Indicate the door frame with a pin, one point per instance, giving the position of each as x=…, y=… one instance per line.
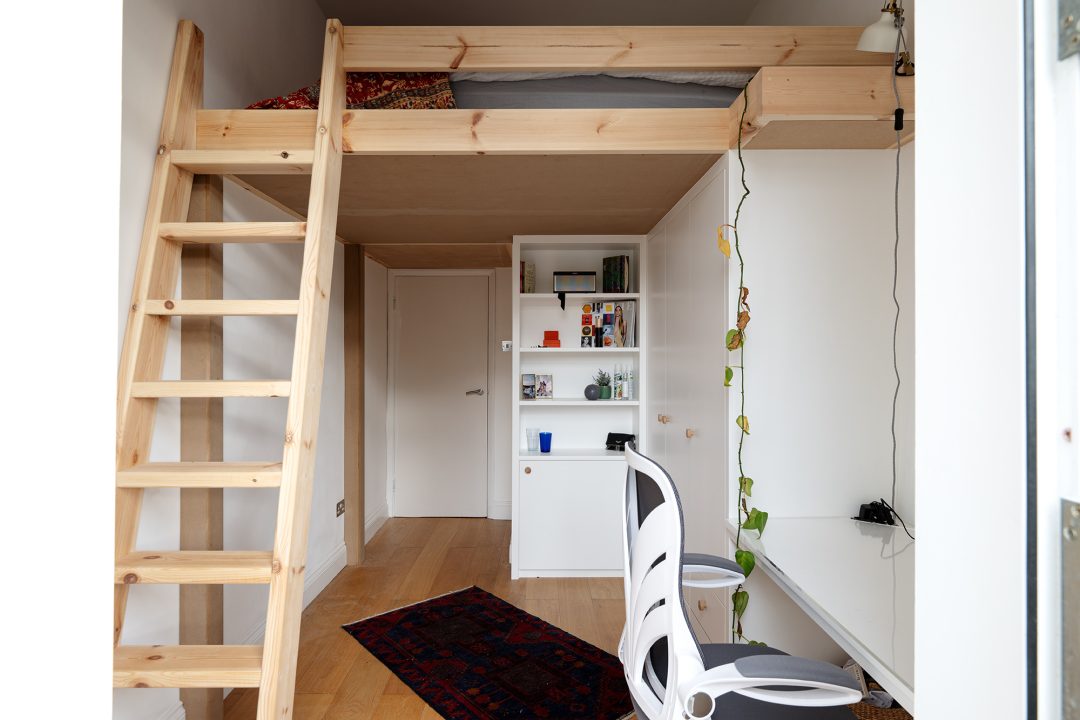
x=391, y=376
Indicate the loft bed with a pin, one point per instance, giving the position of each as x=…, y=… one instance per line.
x=477, y=176
x=416, y=188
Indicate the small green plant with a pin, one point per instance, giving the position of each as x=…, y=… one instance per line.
x=602, y=378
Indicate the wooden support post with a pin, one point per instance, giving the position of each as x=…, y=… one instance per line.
x=354, y=404
x=201, y=436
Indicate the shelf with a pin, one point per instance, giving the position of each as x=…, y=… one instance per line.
x=571, y=454
x=539, y=297
x=574, y=402
x=579, y=350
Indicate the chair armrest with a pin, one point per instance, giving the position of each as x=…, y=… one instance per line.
x=779, y=679
x=722, y=572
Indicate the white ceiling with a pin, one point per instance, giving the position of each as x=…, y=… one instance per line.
x=539, y=12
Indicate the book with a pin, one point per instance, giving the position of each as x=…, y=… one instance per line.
x=527, y=277
x=616, y=274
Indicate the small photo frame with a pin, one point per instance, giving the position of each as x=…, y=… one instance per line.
x=528, y=386
x=545, y=386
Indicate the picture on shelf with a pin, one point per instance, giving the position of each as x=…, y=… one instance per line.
x=545, y=387
x=528, y=386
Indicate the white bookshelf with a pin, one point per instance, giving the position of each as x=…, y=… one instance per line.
x=566, y=503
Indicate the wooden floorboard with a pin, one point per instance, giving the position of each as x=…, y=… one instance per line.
x=408, y=560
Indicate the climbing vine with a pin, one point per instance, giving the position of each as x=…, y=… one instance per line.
x=750, y=518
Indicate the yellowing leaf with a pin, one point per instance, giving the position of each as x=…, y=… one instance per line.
x=728, y=375
x=723, y=242
x=734, y=339
x=743, y=424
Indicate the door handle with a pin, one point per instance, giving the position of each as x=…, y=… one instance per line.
x=477, y=391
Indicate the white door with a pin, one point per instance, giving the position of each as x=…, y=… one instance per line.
x=440, y=427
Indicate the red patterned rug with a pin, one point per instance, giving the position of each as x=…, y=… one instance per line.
x=472, y=656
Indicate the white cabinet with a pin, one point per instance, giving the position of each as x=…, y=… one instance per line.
x=566, y=503
x=688, y=301
x=572, y=524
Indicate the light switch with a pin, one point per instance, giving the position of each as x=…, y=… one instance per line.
x=507, y=345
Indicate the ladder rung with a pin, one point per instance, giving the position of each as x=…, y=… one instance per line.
x=200, y=475
x=187, y=666
x=210, y=388
x=222, y=307
x=195, y=567
x=244, y=162
x=234, y=232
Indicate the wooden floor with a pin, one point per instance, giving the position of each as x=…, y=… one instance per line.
x=408, y=560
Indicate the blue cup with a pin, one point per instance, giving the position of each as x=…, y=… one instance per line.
x=545, y=442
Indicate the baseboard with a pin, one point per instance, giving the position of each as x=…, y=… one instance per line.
x=174, y=712
x=375, y=521
x=314, y=583
x=499, y=509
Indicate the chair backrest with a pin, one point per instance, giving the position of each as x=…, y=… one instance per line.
x=657, y=645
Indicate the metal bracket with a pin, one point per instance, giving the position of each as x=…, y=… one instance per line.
x=1068, y=28
x=1070, y=616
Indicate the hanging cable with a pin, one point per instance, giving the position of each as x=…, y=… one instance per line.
x=898, y=126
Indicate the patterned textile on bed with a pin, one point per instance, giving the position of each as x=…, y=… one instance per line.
x=375, y=91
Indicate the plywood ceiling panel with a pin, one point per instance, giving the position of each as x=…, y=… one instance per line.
x=441, y=255
x=488, y=199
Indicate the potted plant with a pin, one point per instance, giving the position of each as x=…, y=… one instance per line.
x=604, y=381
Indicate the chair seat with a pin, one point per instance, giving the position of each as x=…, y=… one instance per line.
x=733, y=706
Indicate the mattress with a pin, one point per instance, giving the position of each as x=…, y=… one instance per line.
x=590, y=91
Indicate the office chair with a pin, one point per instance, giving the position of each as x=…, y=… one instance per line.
x=670, y=675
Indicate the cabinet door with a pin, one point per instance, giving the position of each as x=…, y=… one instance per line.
x=656, y=350
x=570, y=517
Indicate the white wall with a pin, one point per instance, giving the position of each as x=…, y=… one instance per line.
x=817, y=236
x=1057, y=218
x=253, y=49
x=969, y=330
x=375, y=379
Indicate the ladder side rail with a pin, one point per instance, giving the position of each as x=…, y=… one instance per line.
x=157, y=271
x=298, y=461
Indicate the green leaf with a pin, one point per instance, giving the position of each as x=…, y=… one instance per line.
x=728, y=375
x=746, y=561
x=739, y=599
x=745, y=485
x=755, y=520
x=733, y=339
x=757, y=643
x=743, y=423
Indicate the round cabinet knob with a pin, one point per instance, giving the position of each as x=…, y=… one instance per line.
x=528, y=470
x=663, y=419
x=690, y=433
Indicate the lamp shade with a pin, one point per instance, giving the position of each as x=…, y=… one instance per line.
x=879, y=37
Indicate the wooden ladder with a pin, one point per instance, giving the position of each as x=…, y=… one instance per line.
x=272, y=666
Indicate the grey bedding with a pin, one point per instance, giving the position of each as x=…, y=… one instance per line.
x=597, y=91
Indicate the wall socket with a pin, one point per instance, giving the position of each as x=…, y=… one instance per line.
x=340, y=508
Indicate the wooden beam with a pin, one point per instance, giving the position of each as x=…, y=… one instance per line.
x=523, y=49
x=354, y=404
x=202, y=607
x=143, y=352
x=538, y=132
x=822, y=108
x=302, y=418
x=634, y=131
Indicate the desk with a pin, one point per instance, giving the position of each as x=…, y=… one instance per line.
x=857, y=581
